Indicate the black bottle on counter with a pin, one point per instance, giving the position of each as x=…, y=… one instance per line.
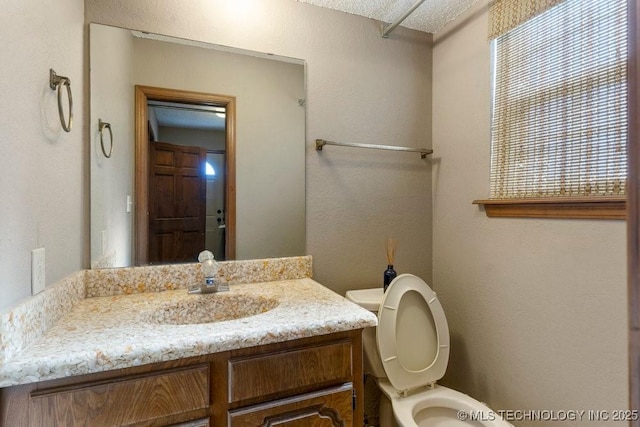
x=389, y=275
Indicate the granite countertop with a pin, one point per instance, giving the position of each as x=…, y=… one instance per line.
x=113, y=332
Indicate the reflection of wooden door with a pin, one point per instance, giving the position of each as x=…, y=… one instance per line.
x=177, y=202
x=142, y=96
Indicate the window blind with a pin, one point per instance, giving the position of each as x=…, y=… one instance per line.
x=559, y=125
x=504, y=15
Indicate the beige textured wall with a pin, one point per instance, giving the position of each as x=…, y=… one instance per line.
x=537, y=308
x=42, y=186
x=360, y=88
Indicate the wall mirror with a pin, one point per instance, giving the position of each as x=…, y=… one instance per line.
x=267, y=127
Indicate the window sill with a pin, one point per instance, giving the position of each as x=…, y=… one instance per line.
x=574, y=208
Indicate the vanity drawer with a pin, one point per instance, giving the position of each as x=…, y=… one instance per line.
x=123, y=401
x=290, y=372
x=326, y=408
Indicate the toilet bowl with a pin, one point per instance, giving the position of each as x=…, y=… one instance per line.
x=408, y=352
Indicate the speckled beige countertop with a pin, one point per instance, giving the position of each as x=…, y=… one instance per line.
x=119, y=331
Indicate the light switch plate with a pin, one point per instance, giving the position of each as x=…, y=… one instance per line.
x=37, y=271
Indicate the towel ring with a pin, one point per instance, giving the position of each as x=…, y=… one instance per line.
x=55, y=82
x=101, y=126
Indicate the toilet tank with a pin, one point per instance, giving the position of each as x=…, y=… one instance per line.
x=369, y=299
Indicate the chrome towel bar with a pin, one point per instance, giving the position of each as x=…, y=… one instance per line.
x=423, y=151
x=56, y=82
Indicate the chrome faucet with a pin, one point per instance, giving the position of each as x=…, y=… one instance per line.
x=210, y=271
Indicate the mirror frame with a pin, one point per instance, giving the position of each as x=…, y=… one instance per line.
x=142, y=95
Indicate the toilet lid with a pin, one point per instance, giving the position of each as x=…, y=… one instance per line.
x=412, y=334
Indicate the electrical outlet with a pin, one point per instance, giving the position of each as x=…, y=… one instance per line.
x=37, y=271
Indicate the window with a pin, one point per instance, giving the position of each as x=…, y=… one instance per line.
x=559, y=119
x=209, y=170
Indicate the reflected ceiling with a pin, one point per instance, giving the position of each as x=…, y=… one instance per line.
x=188, y=116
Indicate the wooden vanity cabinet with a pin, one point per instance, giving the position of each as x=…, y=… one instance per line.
x=329, y=407
x=313, y=381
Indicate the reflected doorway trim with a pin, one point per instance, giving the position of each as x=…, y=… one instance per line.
x=142, y=95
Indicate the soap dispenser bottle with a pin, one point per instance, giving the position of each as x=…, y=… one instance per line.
x=209, y=270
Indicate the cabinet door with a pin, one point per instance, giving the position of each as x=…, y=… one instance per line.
x=276, y=375
x=326, y=408
x=204, y=422
x=124, y=401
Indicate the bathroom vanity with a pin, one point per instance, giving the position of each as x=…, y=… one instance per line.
x=313, y=380
x=265, y=353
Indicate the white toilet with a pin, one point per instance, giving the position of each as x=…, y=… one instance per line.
x=408, y=352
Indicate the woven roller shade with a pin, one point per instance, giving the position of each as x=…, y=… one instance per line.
x=559, y=125
x=505, y=15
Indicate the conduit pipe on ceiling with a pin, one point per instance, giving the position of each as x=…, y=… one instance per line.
x=386, y=30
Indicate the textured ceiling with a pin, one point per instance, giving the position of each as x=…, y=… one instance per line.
x=431, y=16
x=191, y=118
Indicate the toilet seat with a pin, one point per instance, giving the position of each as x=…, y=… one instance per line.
x=412, y=335
x=440, y=406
